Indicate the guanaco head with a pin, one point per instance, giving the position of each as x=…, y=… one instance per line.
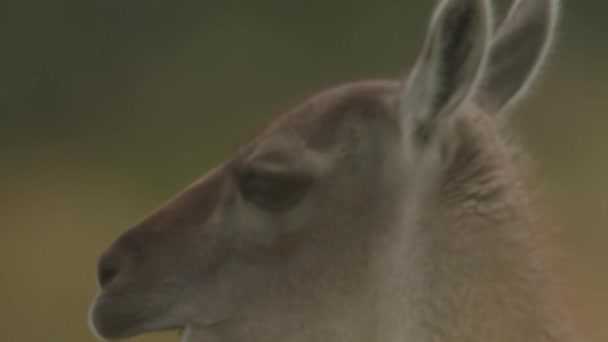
x=291, y=219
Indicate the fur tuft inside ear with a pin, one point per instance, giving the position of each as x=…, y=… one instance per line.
x=450, y=64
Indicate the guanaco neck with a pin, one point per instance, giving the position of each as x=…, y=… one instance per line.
x=482, y=273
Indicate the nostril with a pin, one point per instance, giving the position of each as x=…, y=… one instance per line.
x=105, y=276
x=108, y=268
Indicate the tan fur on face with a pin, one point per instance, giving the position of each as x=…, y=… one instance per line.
x=400, y=215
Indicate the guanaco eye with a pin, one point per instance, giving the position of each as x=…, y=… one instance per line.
x=273, y=191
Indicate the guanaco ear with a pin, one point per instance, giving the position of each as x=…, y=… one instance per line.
x=518, y=50
x=450, y=64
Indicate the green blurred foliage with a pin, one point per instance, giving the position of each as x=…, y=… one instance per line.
x=108, y=107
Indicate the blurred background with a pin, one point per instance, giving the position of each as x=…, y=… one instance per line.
x=109, y=107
